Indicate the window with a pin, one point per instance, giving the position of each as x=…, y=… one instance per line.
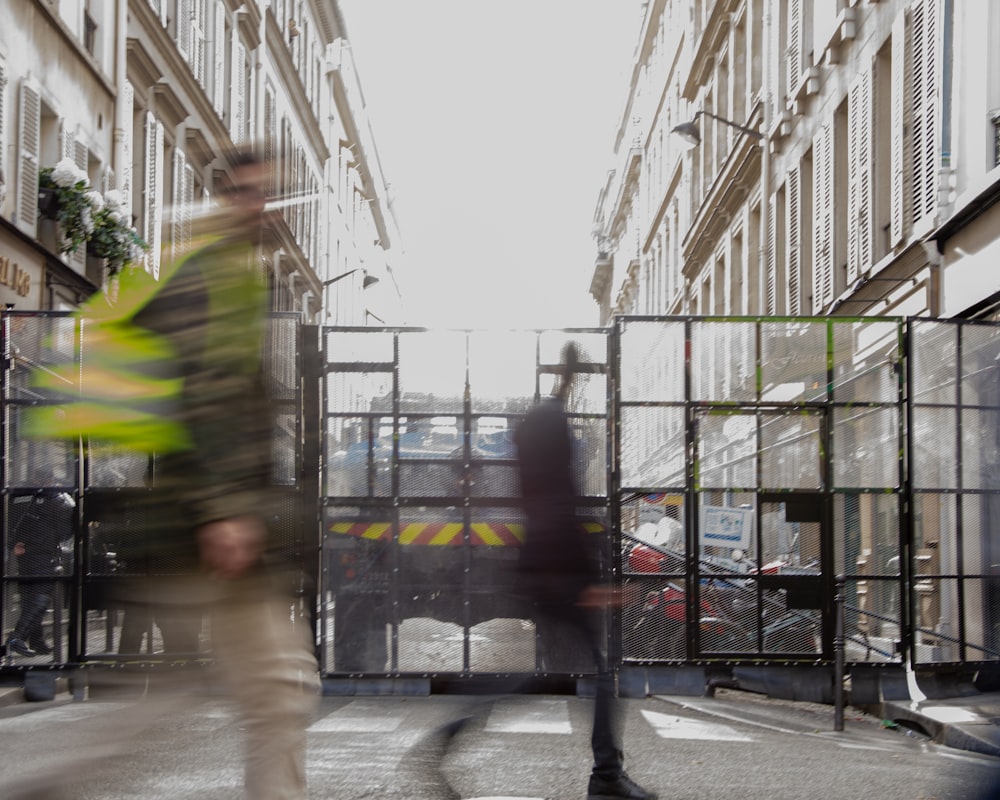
x=89, y=32
x=29, y=143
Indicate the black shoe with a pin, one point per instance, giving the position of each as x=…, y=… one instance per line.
x=619, y=788
x=41, y=648
x=19, y=646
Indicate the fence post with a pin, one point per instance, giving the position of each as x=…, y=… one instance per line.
x=838, y=655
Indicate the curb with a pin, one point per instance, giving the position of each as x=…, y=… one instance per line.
x=948, y=724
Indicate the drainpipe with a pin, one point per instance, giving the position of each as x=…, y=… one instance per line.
x=259, y=68
x=121, y=77
x=765, y=164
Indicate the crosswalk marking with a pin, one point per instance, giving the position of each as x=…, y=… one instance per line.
x=358, y=717
x=669, y=726
x=534, y=716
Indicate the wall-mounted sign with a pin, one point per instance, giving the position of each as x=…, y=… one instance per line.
x=14, y=277
x=726, y=527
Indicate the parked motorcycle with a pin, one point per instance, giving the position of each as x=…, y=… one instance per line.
x=729, y=618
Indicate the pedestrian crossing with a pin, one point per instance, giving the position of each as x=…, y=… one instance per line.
x=519, y=716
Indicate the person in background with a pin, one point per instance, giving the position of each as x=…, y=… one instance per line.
x=40, y=523
x=560, y=572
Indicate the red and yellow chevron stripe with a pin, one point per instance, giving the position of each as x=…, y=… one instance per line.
x=489, y=534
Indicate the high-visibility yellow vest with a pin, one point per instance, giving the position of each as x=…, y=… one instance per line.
x=120, y=391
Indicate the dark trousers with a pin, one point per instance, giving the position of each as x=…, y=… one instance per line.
x=569, y=633
x=35, y=601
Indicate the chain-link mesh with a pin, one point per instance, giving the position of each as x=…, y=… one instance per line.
x=421, y=579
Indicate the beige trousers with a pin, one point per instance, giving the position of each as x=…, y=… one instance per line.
x=268, y=664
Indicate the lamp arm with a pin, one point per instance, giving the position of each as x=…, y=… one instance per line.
x=723, y=120
x=340, y=277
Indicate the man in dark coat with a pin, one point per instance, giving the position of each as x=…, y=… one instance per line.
x=40, y=523
x=560, y=570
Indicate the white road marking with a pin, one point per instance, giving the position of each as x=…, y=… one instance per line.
x=668, y=726
x=357, y=717
x=533, y=716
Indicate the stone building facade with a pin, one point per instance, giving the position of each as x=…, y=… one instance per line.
x=145, y=97
x=847, y=162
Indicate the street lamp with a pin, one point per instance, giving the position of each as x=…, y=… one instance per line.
x=370, y=280
x=690, y=133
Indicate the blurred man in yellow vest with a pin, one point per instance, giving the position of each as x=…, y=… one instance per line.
x=202, y=407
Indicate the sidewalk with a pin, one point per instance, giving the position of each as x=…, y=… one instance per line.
x=966, y=723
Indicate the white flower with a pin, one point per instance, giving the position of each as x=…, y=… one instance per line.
x=95, y=200
x=114, y=199
x=67, y=174
x=120, y=218
x=87, y=220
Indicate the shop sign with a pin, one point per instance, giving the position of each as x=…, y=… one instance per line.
x=13, y=277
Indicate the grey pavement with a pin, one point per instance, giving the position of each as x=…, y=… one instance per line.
x=528, y=748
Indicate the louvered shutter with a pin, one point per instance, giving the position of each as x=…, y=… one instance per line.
x=4, y=174
x=199, y=25
x=822, y=219
x=793, y=226
x=153, y=192
x=270, y=133
x=774, y=95
x=794, y=53
x=107, y=180
x=239, y=88
x=219, y=57
x=924, y=76
x=81, y=156
x=66, y=141
x=897, y=222
x=127, y=100
x=29, y=123
x=184, y=29
x=771, y=258
x=183, y=199
x=859, y=195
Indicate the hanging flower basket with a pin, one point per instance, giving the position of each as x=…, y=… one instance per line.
x=48, y=202
x=86, y=218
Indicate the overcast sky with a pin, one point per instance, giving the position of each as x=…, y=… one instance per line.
x=494, y=123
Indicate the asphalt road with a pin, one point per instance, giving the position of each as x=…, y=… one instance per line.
x=733, y=746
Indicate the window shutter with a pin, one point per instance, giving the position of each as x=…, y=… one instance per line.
x=924, y=76
x=183, y=200
x=239, y=87
x=773, y=71
x=270, y=133
x=199, y=24
x=219, y=56
x=4, y=174
x=153, y=195
x=822, y=219
x=793, y=223
x=897, y=221
x=771, y=263
x=107, y=180
x=125, y=168
x=794, y=52
x=184, y=29
x=81, y=156
x=29, y=123
x=859, y=195
x=66, y=142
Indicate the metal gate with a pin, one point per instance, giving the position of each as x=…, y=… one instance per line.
x=743, y=467
x=748, y=453
x=421, y=514
x=82, y=506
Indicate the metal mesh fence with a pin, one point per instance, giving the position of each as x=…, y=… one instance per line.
x=77, y=522
x=422, y=525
